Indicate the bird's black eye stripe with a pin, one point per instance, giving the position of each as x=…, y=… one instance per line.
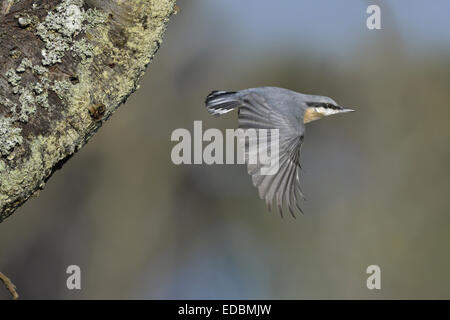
x=323, y=105
x=332, y=106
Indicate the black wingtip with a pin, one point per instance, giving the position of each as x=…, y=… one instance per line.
x=217, y=93
x=220, y=102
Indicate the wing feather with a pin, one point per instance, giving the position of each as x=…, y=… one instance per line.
x=282, y=188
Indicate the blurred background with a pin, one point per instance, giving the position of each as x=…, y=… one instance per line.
x=377, y=181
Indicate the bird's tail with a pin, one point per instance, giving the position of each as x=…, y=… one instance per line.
x=220, y=102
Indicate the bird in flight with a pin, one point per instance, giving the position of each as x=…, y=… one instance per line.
x=288, y=112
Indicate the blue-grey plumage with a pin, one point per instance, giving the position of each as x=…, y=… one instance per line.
x=285, y=110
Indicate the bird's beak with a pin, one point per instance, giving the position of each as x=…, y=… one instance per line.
x=344, y=110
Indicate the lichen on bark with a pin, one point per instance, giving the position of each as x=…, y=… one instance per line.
x=57, y=59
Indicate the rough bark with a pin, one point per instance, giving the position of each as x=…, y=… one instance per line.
x=65, y=66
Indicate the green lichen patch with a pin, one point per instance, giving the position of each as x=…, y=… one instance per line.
x=30, y=96
x=42, y=100
x=61, y=26
x=76, y=57
x=9, y=136
x=13, y=78
x=82, y=49
x=62, y=31
x=62, y=88
x=38, y=88
x=39, y=70
x=24, y=64
x=27, y=105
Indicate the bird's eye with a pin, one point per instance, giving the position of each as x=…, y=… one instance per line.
x=331, y=106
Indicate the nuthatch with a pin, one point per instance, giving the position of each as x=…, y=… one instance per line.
x=285, y=110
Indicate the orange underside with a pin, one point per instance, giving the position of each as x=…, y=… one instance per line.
x=311, y=114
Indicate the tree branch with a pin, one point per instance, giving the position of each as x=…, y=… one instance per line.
x=65, y=66
x=9, y=286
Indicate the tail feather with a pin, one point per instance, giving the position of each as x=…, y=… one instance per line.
x=220, y=102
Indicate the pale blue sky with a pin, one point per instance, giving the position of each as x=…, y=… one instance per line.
x=331, y=25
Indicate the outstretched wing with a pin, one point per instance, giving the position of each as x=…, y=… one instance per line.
x=282, y=185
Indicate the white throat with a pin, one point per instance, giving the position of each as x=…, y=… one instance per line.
x=326, y=111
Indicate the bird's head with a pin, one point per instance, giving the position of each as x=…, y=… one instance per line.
x=319, y=107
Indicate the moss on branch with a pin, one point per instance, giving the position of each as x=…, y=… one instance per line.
x=58, y=58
